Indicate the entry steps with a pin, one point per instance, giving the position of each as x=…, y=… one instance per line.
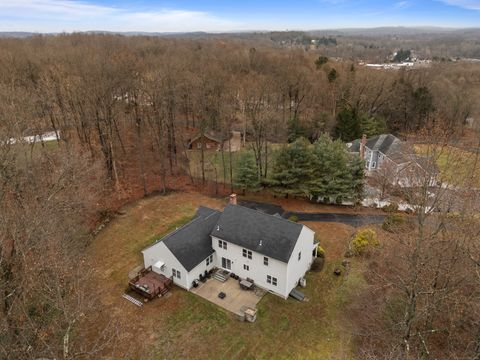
x=132, y=300
x=221, y=275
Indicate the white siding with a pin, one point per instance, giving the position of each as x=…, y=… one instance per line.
x=198, y=270
x=258, y=271
x=160, y=252
x=296, y=268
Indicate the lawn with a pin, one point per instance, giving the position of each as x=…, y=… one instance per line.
x=187, y=326
x=457, y=167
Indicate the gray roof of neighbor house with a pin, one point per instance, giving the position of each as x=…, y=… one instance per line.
x=269, y=235
x=191, y=244
x=387, y=144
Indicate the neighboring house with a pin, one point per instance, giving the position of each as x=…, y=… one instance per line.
x=213, y=140
x=388, y=154
x=272, y=251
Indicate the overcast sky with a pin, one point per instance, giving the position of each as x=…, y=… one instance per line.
x=231, y=15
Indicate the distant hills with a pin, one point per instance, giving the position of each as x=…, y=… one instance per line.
x=369, y=32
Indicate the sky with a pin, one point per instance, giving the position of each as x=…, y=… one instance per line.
x=231, y=15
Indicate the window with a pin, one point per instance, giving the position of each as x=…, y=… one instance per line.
x=222, y=244
x=265, y=261
x=374, y=165
x=210, y=260
x=271, y=280
x=299, y=255
x=176, y=273
x=246, y=267
x=247, y=253
x=199, y=145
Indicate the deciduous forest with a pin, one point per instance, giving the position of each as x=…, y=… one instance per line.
x=123, y=110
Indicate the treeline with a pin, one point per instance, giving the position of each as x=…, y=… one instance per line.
x=131, y=100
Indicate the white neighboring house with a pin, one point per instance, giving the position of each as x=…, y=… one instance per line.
x=388, y=153
x=274, y=252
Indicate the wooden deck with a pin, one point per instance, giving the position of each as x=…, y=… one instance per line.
x=150, y=284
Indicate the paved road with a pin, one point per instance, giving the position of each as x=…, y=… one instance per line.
x=349, y=219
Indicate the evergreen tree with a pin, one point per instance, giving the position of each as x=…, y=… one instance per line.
x=293, y=168
x=357, y=168
x=373, y=125
x=348, y=126
x=336, y=175
x=246, y=177
x=331, y=179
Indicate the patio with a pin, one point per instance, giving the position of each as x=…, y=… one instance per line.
x=235, y=299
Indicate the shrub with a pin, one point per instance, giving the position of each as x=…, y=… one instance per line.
x=394, y=221
x=363, y=241
x=293, y=218
x=390, y=208
x=320, y=251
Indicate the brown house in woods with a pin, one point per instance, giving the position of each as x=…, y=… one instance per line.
x=213, y=140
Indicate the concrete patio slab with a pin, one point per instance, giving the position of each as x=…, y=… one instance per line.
x=236, y=298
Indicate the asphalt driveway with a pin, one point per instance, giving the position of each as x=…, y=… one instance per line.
x=348, y=219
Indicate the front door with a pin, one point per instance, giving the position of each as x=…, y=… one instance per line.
x=226, y=263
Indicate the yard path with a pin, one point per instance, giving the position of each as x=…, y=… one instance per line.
x=354, y=220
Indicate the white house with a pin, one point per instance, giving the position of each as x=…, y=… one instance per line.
x=274, y=252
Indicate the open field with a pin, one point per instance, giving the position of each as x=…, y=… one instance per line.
x=184, y=325
x=457, y=167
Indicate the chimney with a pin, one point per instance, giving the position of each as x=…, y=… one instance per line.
x=363, y=142
x=233, y=199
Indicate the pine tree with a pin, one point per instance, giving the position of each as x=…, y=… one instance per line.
x=357, y=168
x=373, y=125
x=336, y=176
x=293, y=168
x=246, y=177
x=348, y=126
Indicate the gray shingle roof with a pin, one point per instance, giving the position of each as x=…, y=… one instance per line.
x=269, y=235
x=191, y=244
x=386, y=143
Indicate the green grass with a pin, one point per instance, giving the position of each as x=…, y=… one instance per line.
x=285, y=329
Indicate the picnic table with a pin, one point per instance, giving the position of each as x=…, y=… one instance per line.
x=246, y=285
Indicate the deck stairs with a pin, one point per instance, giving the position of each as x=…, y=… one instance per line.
x=221, y=275
x=163, y=291
x=132, y=300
